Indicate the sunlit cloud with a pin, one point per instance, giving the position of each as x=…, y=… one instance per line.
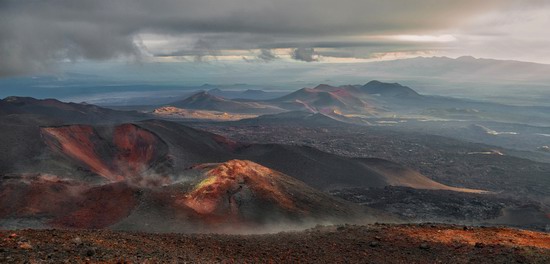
x=425, y=38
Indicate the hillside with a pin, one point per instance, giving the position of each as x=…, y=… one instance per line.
x=234, y=194
x=206, y=101
x=60, y=112
x=163, y=148
x=388, y=89
x=324, y=101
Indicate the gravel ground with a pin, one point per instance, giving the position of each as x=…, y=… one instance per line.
x=378, y=243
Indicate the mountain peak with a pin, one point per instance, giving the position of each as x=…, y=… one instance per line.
x=24, y=99
x=373, y=82
x=323, y=86
x=239, y=189
x=466, y=58
x=215, y=90
x=235, y=177
x=235, y=168
x=11, y=99
x=202, y=94
x=206, y=101
x=388, y=89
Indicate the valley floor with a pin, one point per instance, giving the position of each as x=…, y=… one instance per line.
x=378, y=243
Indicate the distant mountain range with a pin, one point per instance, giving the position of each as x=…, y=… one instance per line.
x=348, y=99
x=354, y=103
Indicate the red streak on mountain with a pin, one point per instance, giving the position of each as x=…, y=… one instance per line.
x=131, y=153
x=79, y=142
x=136, y=148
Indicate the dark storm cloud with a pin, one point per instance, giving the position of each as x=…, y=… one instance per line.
x=304, y=54
x=34, y=34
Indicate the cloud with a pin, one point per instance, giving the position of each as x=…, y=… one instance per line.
x=304, y=54
x=203, y=48
x=267, y=55
x=34, y=35
x=32, y=40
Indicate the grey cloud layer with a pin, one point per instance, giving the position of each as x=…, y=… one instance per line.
x=34, y=34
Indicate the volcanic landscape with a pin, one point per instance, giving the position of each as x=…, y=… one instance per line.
x=274, y=131
x=323, y=174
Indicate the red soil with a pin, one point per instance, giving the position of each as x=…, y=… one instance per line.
x=490, y=236
x=42, y=196
x=100, y=207
x=66, y=203
x=330, y=244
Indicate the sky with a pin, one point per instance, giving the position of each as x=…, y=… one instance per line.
x=42, y=36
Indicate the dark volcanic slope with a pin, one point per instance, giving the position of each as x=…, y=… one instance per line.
x=21, y=146
x=140, y=149
x=59, y=112
x=343, y=244
x=343, y=99
x=189, y=146
x=164, y=148
x=31, y=144
x=448, y=161
x=414, y=205
x=327, y=171
x=399, y=175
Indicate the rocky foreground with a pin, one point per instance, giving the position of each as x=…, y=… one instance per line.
x=377, y=243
